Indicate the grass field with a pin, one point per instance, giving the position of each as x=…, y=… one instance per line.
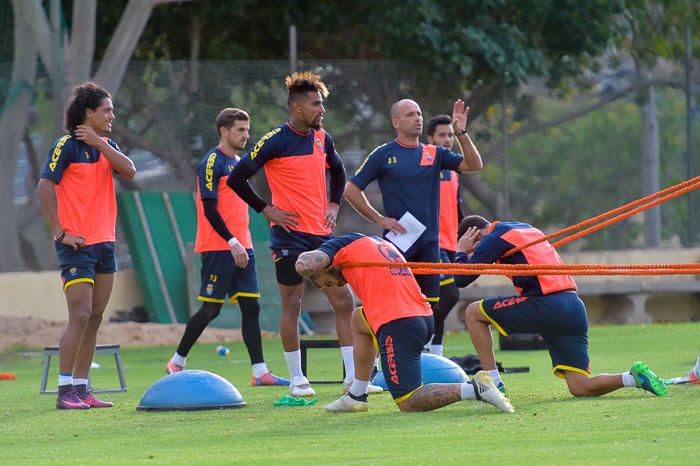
x=549, y=427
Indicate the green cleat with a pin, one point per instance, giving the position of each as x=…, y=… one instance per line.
x=647, y=380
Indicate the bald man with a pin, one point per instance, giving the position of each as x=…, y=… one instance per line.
x=408, y=174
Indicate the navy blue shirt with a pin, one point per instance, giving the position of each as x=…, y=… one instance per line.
x=409, y=180
x=502, y=237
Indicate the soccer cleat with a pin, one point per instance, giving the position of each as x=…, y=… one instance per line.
x=346, y=404
x=268, y=379
x=300, y=386
x=70, y=400
x=171, y=368
x=486, y=391
x=371, y=389
x=89, y=399
x=647, y=380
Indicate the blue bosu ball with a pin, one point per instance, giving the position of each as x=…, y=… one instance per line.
x=190, y=391
x=435, y=369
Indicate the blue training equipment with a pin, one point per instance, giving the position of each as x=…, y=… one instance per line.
x=435, y=369
x=191, y=391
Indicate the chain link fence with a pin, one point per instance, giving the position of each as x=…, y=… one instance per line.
x=554, y=177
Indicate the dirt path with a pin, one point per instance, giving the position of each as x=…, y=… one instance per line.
x=26, y=331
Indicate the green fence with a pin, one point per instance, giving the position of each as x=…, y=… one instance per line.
x=160, y=230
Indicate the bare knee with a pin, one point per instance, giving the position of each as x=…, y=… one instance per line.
x=95, y=319
x=341, y=299
x=472, y=313
x=79, y=316
x=406, y=406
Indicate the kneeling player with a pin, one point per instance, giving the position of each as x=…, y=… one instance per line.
x=395, y=318
x=547, y=304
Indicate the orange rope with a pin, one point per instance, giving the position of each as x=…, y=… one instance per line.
x=428, y=268
x=516, y=267
x=682, y=188
x=531, y=272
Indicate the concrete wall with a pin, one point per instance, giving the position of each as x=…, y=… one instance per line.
x=40, y=295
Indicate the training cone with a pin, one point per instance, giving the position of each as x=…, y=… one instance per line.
x=435, y=369
x=191, y=391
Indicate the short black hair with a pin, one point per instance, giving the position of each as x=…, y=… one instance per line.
x=300, y=83
x=438, y=120
x=471, y=221
x=88, y=95
x=228, y=116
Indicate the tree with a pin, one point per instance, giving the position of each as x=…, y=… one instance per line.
x=69, y=63
x=656, y=32
x=482, y=49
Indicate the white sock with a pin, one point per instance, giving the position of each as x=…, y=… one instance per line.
x=376, y=363
x=359, y=387
x=65, y=379
x=260, y=369
x=293, y=359
x=696, y=370
x=349, y=362
x=80, y=381
x=436, y=349
x=628, y=380
x=495, y=376
x=179, y=360
x=466, y=391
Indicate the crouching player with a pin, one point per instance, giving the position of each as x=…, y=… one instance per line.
x=547, y=304
x=395, y=319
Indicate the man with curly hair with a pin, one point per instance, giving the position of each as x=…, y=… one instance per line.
x=77, y=196
x=295, y=157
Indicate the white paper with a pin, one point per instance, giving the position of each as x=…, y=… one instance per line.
x=413, y=231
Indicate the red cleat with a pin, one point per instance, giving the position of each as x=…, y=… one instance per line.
x=171, y=368
x=90, y=400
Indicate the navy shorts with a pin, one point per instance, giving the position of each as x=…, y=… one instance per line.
x=221, y=277
x=559, y=317
x=286, y=248
x=447, y=257
x=426, y=251
x=80, y=266
x=401, y=343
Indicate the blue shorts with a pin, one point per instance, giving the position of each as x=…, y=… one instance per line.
x=559, y=317
x=400, y=346
x=286, y=247
x=426, y=251
x=221, y=277
x=80, y=266
x=447, y=257
x=293, y=243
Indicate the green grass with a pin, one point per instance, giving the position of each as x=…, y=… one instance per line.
x=549, y=427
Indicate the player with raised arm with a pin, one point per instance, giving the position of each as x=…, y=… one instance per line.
x=408, y=174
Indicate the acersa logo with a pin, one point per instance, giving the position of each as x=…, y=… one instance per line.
x=390, y=361
x=509, y=302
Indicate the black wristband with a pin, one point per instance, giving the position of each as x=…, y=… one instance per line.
x=462, y=133
x=60, y=237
